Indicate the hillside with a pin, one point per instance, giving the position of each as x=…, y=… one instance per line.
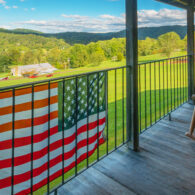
x=85, y=38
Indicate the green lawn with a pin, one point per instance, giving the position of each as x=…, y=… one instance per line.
x=61, y=73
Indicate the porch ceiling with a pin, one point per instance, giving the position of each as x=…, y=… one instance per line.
x=180, y=3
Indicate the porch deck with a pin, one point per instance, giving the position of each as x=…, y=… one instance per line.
x=164, y=165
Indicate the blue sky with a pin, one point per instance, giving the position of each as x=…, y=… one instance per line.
x=83, y=15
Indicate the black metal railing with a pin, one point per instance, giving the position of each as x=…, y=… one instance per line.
x=41, y=121
x=82, y=119
x=163, y=87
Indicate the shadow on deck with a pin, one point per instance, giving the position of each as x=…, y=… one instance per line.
x=164, y=165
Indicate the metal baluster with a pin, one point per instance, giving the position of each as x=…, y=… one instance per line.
x=145, y=98
x=187, y=80
x=98, y=103
x=115, y=109
x=63, y=129
x=171, y=84
x=88, y=94
x=13, y=139
x=183, y=70
x=140, y=105
x=76, y=118
x=159, y=94
x=174, y=81
x=163, y=88
x=177, y=81
x=167, y=62
x=150, y=94
x=123, y=105
x=181, y=60
x=155, y=88
x=48, y=143
x=32, y=137
x=107, y=115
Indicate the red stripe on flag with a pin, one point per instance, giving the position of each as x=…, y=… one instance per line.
x=59, y=173
x=41, y=153
x=36, y=172
x=24, y=141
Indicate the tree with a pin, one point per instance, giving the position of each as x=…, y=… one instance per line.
x=120, y=57
x=78, y=56
x=96, y=53
x=5, y=61
x=169, y=42
x=147, y=46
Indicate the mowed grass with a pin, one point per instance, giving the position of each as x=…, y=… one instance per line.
x=89, y=68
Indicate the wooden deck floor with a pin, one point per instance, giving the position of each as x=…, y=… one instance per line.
x=164, y=165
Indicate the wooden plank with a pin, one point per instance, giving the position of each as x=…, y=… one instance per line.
x=94, y=182
x=171, y=156
x=80, y=185
x=165, y=164
x=137, y=173
x=169, y=136
x=106, y=183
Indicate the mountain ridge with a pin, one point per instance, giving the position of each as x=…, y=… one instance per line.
x=85, y=38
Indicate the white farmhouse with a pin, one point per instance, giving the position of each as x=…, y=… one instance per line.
x=35, y=69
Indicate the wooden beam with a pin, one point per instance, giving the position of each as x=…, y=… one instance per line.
x=176, y=3
x=190, y=46
x=132, y=72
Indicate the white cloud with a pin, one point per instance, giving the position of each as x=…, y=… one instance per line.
x=75, y=17
x=22, y=0
x=7, y=7
x=33, y=9
x=5, y=27
x=161, y=17
x=2, y=2
x=106, y=23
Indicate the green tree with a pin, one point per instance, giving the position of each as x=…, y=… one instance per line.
x=5, y=61
x=169, y=42
x=78, y=56
x=120, y=57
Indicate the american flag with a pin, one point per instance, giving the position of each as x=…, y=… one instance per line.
x=78, y=103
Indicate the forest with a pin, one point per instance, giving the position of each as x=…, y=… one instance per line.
x=24, y=49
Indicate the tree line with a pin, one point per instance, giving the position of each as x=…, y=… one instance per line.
x=16, y=49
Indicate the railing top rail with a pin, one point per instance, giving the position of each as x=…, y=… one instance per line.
x=152, y=61
x=57, y=79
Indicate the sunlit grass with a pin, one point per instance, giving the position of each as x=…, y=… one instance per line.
x=89, y=68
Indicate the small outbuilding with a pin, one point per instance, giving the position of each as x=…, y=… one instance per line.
x=30, y=70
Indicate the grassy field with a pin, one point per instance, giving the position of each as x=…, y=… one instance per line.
x=61, y=73
x=161, y=89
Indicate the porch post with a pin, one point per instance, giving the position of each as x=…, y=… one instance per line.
x=132, y=73
x=190, y=46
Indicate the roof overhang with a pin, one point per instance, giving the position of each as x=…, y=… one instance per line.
x=180, y=3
